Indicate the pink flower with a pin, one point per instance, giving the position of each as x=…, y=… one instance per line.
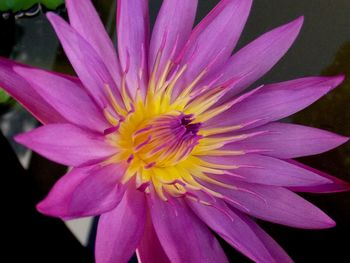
x=163, y=142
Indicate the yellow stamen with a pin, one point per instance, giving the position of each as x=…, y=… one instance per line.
x=214, y=131
x=110, y=118
x=114, y=102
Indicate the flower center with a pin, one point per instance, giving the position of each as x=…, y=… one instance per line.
x=159, y=137
x=165, y=140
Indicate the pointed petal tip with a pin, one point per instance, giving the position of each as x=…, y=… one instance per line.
x=338, y=79
x=343, y=139
x=296, y=24
x=44, y=207
x=346, y=187
x=40, y=207
x=24, y=138
x=344, y=184
x=54, y=19
x=300, y=20
x=333, y=82
x=336, y=187
x=329, y=223
x=292, y=28
x=338, y=140
x=50, y=15
x=323, y=222
x=21, y=138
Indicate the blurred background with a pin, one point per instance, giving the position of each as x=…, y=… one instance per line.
x=323, y=48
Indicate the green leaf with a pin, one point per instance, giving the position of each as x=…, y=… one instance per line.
x=17, y=5
x=4, y=97
x=52, y=4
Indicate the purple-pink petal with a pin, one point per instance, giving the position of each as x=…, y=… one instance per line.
x=67, y=96
x=120, y=230
x=275, y=204
x=171, y=30
x=254, y=168
x=67, y=144
x=275, y=250
x=254, y=60
x=335, y=185
x=184, y=237
x=86, y=191
x=25, y=94
x=276, y=101
x=149, y=249
x=285, y=140
x=88, y=65
x=233, y=229
x=133, y=42
x=214, y=38
x=85, y=20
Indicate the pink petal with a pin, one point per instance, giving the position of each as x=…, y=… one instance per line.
x=149, y=249
x=276, y=101
x=133, y=41
x=86, y=62
x=85, y=20
x=275, y=204
x=214, y=38
x=275, y=250
x=266, y=170
x=233, y=229
x=336, y=185
x=171, y=30
x=183, y=236
x=284, y=140
x=258, y=57
x=67, y=144
x=86, y=191
x=24, y=93
x=120, y=230
x=67, y=97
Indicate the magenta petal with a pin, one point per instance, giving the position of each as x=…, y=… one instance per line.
x=25, y=94
x=67, y=144
x=276, y=101
x=149, y=249
x=133, y=41
x=214, y=38
x=120, y=230
x=183, y=236
x=85, y=20
x=171, y=30
x=284, y=140
x=86, y=191
x=85, y=61
x=336, y=185
x=233, y=229
x=275, y=250
x=258, y=57
x=67, y=96
x=275, y=204
x=266, y=170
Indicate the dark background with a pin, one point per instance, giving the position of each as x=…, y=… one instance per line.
x=323, y=48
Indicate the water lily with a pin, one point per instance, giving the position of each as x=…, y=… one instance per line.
x=165, y=142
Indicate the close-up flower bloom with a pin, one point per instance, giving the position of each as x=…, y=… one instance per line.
x=166, y=143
